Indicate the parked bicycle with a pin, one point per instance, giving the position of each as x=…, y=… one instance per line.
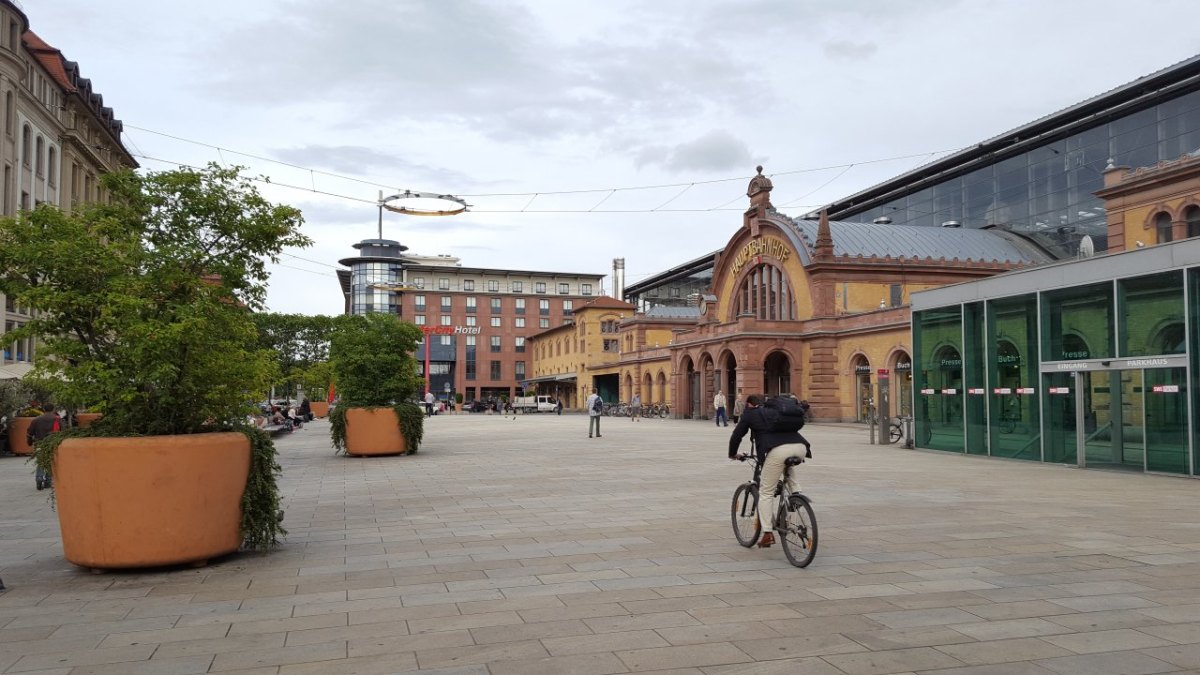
x=795, y=522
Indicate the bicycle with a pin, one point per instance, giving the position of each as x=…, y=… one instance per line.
x=795, y=521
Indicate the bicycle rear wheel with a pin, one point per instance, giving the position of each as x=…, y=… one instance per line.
x=745, y=515
x=797, y=526
x=895, y=433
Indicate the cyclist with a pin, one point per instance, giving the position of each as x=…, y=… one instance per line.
x=774, y=448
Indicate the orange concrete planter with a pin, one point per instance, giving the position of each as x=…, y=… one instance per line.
x=373, y=431
x=85, y=420
x=16, y=436
x=319, y=408
x=150, y=501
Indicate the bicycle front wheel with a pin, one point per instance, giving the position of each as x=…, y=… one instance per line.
x=745, y=515
x=798, y=531
x=896, y=433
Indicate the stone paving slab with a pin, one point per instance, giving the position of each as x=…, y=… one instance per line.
x=522, y=546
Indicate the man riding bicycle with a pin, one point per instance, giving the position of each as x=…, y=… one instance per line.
x=773, y=448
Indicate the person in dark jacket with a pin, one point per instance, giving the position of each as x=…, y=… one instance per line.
x=306, y=410
x=773, y=448
x=42, y=426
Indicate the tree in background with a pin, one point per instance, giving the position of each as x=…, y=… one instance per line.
x=298, y=342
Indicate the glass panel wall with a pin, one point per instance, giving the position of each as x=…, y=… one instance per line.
x=1013, y=365
x=1077, y=323
x=1151, y=313
x=937, y=345
x=1166, y=395
x=1048, y=191
x=975, y=374
x=1193, y=326
x=1058, y=404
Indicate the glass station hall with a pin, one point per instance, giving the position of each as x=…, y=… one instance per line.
x=1090, y=362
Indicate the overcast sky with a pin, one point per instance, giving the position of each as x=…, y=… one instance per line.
x=506, y=103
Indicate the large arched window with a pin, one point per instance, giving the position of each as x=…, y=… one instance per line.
x=52, y=165
x=766, y=293
x=39, y=158
x=1191, y=215
x=26, y=150
x=1162, y=226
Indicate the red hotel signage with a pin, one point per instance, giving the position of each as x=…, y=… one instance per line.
x=451, y=330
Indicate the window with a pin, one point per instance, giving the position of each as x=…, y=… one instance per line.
x=469, y=285
x=493, y=286
x=419, y=303
x=1162, y=226
x=495, y=343
x=567, y=306
x=675, y=292
x=9, y=113
x=446, y=303
x=539, y=287
x=470, y=321
x=520, y=305
x=1192, y=216
x=446, y=341
x=39, y=167
x=443, y=284
x=496, y=374
x=519, y=322
x=609, y=326
x=897, y=295
x=564, y=289
x=520, y=370
x=518, y=287
x=612, y=345
x=419, y=282
x=470, y=369
x=544, y=307
x=495, y=322
x=470, y=304
x=543, y=323
x=520, y=344
x=585, y=289
x=495, y=305
x=419, y=319
x=765, y=293
x=26, y=147
x=52, y=166
x=444, y=319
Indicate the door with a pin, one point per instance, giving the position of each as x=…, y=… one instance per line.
x=1136, y=420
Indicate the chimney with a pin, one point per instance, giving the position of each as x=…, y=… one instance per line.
x=618, y=283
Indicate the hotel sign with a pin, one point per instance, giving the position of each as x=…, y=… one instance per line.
x=756, y=248
x=450, y=330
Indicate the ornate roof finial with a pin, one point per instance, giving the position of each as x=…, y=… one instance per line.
x=759, y=185
x=823, y=247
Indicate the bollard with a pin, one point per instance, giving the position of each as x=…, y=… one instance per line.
x=908, y=432
x=871, y=420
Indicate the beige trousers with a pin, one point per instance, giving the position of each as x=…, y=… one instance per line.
x=769, y=479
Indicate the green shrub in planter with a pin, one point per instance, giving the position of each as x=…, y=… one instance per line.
x=144, y=310
x=374, y=366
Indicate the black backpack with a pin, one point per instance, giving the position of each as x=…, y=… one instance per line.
x=783, y=413
x=598, y=405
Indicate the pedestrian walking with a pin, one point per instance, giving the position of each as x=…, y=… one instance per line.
x=429, y=404
x=719, y=406
x=595, y=405
x=635, y=408
x=739, y=406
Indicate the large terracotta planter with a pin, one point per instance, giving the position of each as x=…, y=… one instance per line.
x=150, y=501
x=85, y=420
x=16, y=436
x=319, y=408
x=373, y=431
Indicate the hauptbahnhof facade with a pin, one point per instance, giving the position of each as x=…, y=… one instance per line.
x=1042, y=183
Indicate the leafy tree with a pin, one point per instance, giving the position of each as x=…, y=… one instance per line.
x=298, y=342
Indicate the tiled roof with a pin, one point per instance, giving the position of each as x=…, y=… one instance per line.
x=911, y=242
x=50, y=58
x=668, y=312
x=605, y=302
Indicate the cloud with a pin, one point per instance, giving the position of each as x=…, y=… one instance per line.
x=360, y=160
x=717, y=150
x=844, y=50
x=489, y=66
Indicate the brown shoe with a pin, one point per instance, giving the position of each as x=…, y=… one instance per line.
x=767, y=540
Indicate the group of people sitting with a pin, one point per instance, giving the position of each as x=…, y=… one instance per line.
x=284, y=415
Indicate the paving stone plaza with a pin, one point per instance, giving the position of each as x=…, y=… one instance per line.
x=521, y=546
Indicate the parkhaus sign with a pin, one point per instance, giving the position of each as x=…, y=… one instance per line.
x=451, y=330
